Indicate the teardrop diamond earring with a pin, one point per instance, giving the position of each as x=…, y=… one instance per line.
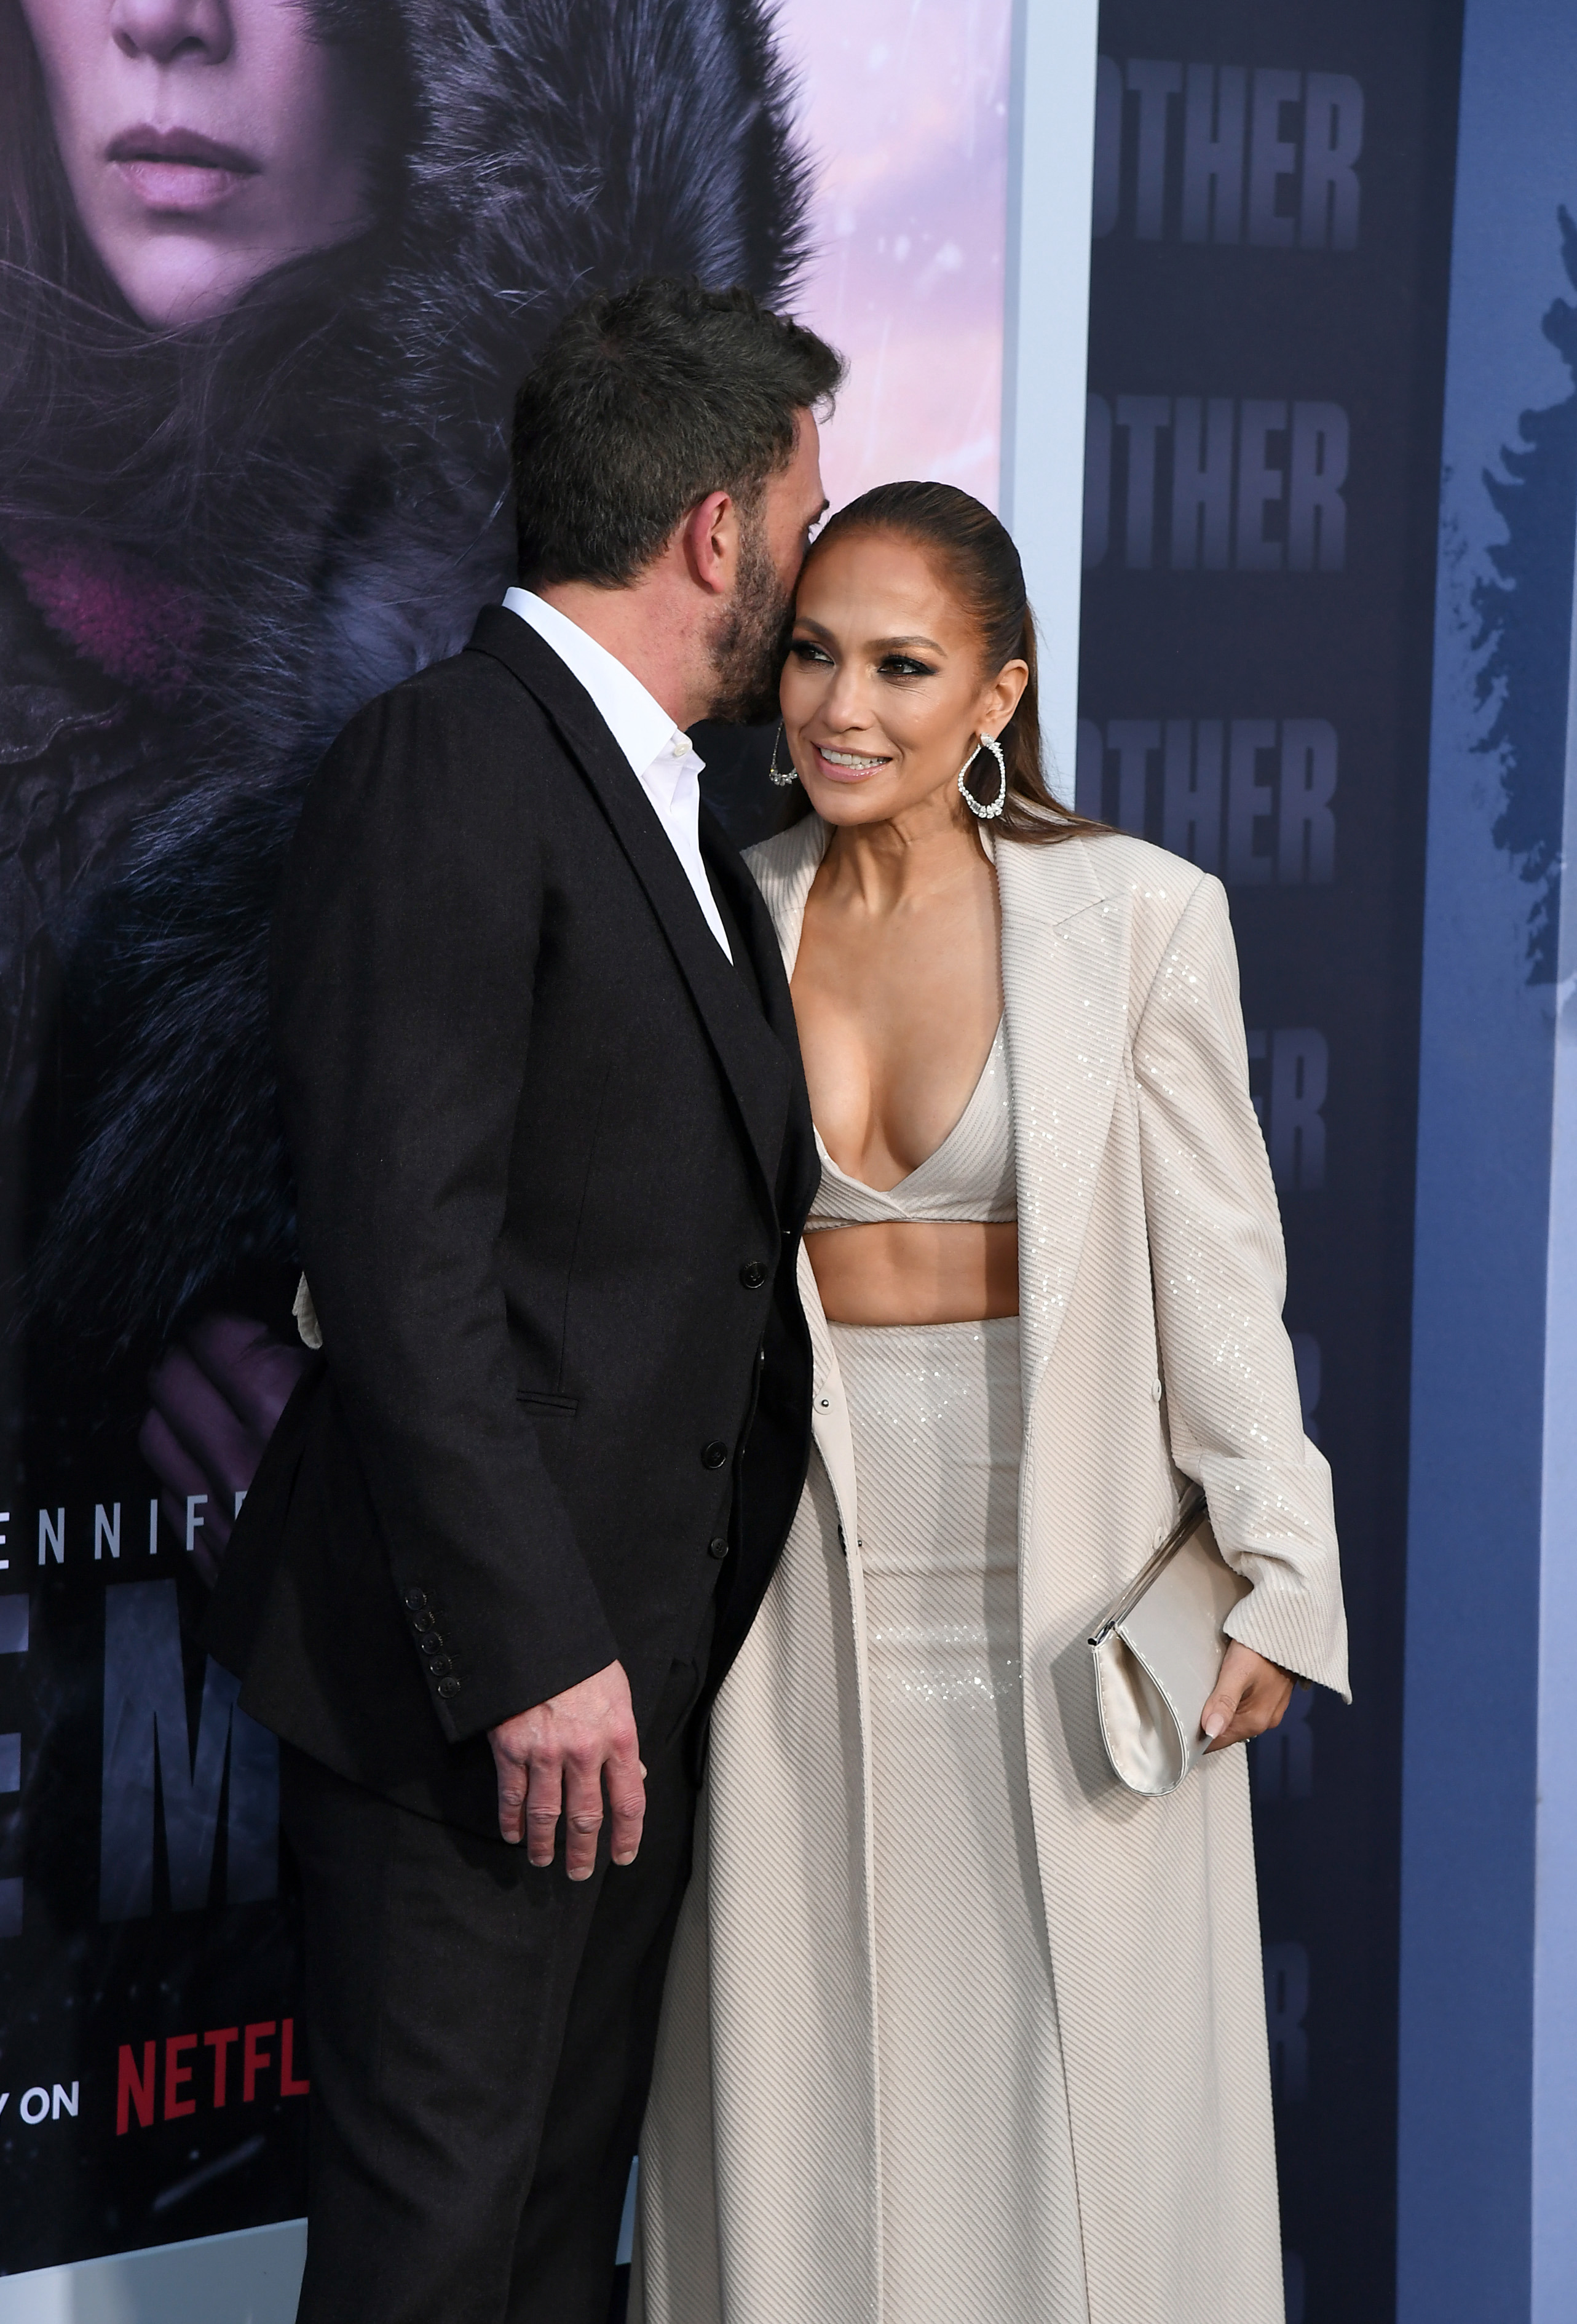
x=985, y=811
x=781, y=776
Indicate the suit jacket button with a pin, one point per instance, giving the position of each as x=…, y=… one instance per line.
x=439, y=1664
x=752, y=1274
x=415, y=1599
x=718, y=1545
x=424, y=1620
x=715, y=1455
x=449, y=1687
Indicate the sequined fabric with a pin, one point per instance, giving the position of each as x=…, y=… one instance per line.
x=980, y=2209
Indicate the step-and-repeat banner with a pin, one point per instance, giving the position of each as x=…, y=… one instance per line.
x=270, y=273
x=1272, y=222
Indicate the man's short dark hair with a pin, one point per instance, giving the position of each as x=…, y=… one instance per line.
x=641, y=403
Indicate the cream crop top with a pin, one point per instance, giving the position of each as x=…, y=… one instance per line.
x=969, y=1177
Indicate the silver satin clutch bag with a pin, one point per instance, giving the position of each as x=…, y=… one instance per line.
x=1158, y=1652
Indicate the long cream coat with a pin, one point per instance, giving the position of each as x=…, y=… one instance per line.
x=1151, y=1277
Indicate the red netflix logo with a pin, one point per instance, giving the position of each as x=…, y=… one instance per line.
x=185, y=2086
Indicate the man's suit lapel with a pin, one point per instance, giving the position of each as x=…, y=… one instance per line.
x=743, y=904
x=755, y=1066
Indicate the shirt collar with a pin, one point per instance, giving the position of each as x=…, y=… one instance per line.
x=639, y=723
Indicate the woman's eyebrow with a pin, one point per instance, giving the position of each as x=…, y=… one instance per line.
x=875, y=645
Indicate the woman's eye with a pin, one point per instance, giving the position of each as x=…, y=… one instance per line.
x=803, y=649
x=905, y=666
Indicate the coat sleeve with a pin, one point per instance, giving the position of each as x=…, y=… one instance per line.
x=1220, y=1277
x=405, y=949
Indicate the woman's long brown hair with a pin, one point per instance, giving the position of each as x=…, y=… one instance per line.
x=976, y=558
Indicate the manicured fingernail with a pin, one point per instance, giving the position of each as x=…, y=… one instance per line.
x=1213, y=1725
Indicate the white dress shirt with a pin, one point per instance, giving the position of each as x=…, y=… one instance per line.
x=660, y=757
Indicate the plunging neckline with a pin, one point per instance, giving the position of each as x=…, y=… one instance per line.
x=982, y=1082
x=789, y=930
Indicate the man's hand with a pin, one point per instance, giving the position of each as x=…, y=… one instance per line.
x=554, y=1757
x=1250, y=1695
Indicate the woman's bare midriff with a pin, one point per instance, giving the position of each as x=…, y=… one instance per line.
x=917, y=1272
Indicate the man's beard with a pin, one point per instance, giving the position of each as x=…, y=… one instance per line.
x=752, y=639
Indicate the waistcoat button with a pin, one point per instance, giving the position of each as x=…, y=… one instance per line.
x=717, y=1546
x=752, y=1274
x=713, y=1455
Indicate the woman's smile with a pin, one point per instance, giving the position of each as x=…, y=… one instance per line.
x=846, y=766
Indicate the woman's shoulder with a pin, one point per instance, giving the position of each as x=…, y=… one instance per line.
x=1158, y=881
x=1164, y=900
x=1100, y=866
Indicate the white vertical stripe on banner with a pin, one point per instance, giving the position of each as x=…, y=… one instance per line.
x=1555, y=2006
x=1051, y=157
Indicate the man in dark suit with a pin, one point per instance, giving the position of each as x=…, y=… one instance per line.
x=553, y=1157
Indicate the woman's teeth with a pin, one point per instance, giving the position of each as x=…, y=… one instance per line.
x=847, y=759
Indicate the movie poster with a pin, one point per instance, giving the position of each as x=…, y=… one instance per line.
x=271, y=271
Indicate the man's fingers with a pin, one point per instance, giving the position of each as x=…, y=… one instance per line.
x=553, y=1756
x=511, y=1799
x=583, y=1815
x=627, y=1807
x=544, y=1801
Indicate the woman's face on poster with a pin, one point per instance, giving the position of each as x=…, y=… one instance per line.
x=204, y=141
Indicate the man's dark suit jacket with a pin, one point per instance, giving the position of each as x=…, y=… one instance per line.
x=553, y=1158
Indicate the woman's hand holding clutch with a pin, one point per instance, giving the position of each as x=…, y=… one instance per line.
x=1250, y=1696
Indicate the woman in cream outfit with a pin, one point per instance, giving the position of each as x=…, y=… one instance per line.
x=958, y=2031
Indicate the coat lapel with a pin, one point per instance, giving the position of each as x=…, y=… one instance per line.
x=1065, y=981
x=754, y=1062
x=743, y=907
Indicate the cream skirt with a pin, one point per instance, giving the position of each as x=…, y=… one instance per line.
x=930, y=2179
x=980, y=2216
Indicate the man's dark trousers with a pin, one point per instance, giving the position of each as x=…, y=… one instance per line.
x=444, y=1976
x=553, y=1158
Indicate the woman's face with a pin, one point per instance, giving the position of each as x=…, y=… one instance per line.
x=882, y=695
x=204, y=141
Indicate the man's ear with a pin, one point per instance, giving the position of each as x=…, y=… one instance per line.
x=711, y=543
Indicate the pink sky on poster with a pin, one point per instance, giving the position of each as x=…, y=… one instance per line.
x=903, y=104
